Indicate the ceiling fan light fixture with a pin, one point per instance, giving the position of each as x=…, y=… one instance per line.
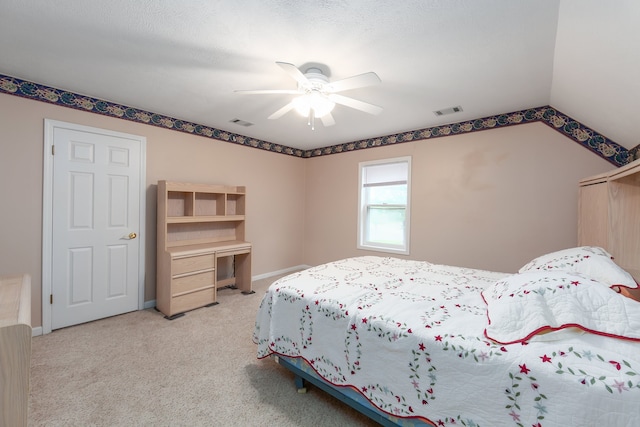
x=320, y=104
x=317, y=96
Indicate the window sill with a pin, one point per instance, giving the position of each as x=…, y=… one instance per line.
x=383, y=249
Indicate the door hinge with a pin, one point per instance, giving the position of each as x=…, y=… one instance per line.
x=53, y=150
x=50, y=298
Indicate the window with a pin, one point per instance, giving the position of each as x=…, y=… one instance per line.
x=383, y=219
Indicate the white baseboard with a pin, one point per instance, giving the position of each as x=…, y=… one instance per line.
x=276, y=273
x=152, y=303
x=36, y=331
x=149, y=304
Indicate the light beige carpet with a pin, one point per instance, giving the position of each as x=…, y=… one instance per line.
x=139, y=369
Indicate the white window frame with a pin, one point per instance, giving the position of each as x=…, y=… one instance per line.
x=363, y=207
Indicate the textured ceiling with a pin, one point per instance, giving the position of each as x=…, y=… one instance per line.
x=184, y=59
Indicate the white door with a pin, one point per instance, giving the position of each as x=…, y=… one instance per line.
x=96, y=223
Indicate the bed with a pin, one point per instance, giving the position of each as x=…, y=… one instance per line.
x=416, y=343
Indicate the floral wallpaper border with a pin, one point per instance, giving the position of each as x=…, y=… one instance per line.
x=599, y=144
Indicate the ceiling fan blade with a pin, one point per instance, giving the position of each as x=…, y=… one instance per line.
x=267, y=91
x=328, y=120
x=281, y=112
x=361, y=80
x=294, y=72
x=354, y=103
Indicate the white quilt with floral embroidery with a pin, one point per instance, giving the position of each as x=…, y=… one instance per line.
x=410, y=337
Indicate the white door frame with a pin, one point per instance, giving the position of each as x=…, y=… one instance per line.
x=47, y=210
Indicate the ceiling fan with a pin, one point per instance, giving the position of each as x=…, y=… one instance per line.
x=317, y=95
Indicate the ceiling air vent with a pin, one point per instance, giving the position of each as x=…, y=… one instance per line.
x=241, y=122
x=446, y=111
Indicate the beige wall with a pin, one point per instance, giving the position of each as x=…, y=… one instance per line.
x=275, y=188
x=492, y=199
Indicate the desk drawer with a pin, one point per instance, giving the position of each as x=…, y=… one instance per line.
x=192, y=282
x=192, y=263
x=232, y=252
x=193, y=300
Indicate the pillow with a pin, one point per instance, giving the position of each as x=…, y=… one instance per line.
x=590, y=261
x=534, y=302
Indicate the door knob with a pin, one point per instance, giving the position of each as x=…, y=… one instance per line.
x=132, y=235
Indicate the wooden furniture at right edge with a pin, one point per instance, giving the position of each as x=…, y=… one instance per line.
x=609, y=215
x=15, y=349
x=200, y=244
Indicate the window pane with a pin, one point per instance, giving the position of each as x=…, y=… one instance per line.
x=386, y=225
x=387, y=194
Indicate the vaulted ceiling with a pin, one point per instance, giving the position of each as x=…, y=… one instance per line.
x=184, y=59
